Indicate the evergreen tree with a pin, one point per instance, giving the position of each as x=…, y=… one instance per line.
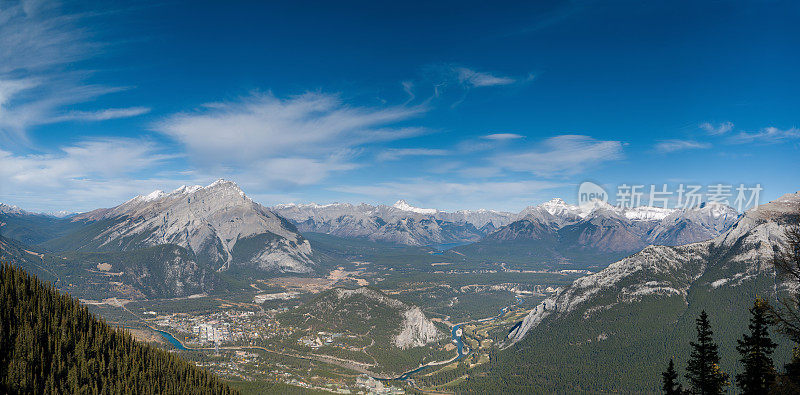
x=51, y=344
x=756, y=348
x=670, y=378
x=703, y=371
x=786, y=314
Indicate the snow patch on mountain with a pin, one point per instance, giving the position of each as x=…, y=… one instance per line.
x=647, y=213
x=402, y=205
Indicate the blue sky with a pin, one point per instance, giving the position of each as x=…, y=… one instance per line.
x=453, y=105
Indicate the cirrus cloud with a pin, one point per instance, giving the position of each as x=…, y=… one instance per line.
x=720, y=129
x=38, y=82
x=312, y=132
x=561, y=156
x=82, y=175
x=481, y=79
x=399, y=153
x=768, y=135
x=503, y=136
x=672, y=145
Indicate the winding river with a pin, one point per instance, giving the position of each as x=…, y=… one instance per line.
x=171, y=339
x=455, y=334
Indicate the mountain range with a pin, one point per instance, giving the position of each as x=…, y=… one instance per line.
x=400, y=223
x=603, y=227
x=642, y=308
x=597, y=234
x=184, y=236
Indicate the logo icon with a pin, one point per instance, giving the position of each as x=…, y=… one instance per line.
x=589, y=192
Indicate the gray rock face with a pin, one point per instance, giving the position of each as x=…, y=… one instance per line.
x=417, y=330
x=400, y=223
x=219, y=223
x=742, y=252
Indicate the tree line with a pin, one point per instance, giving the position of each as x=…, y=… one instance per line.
x=49, y=343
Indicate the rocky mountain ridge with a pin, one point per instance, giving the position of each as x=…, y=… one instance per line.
x=600, y=223
x=218, y=223
x=605, y=228
x=400, y=223
x=743, y=252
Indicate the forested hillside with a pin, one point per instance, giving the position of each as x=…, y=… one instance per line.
x=49, y=343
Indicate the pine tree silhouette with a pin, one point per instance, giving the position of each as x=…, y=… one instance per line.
x=703, y=371
x=670, y=379
x=756, y=350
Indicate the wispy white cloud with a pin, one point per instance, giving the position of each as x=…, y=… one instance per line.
x=35, y=36
x=314, y=132
x=560, y=156
x=717, y=130
x=474, y=78
x=454, y=82
x=98, y=158
x=399, y=153
x=503, y=136
x=37, y=42
x=408, y=88
x=768, y=135
x=102, y=115
x=83, y=174
x=42, y=101
x=672, y=145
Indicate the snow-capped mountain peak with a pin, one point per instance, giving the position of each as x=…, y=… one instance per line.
x=558, y=207
x=186, y=189
x=153, y=195
x=6, y=209
x=402, y=205
x=210, y=221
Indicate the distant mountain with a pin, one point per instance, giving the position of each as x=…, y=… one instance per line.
x=691, y=225
x=605, y=228
x=32, y=228
x=161, y=244
x=400, y=223
x=643, y=307
x=598, y=233
x=218, y=224
x=14, y=210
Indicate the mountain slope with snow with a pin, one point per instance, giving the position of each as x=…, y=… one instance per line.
x=218, y=223
x=642, y=308
x=596, y=234
x=749, y=244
